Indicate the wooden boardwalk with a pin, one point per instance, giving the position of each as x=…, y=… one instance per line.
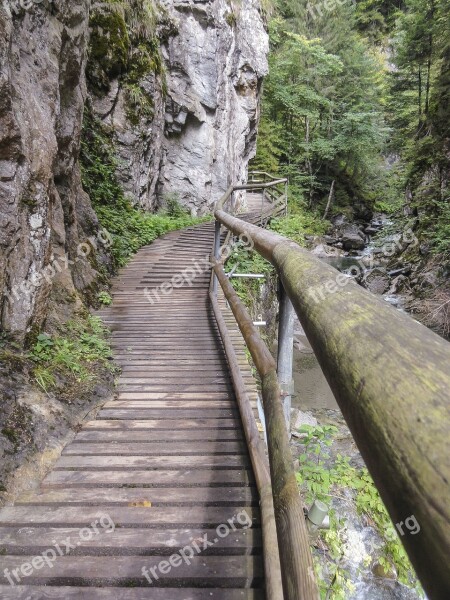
x=163, y=468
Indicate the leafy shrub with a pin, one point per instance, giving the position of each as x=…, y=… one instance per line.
x=321, y=477
x=105, y=298
x=72, y=354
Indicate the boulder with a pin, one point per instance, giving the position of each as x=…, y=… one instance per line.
x=398, y=284
x=299, y=418
x=371, y=230
x=377, y=281
x=353, y=239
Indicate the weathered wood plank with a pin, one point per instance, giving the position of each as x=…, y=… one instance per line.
x=206, y=477
x=197, y=496
x=120, y=593
x=156, y=448
x=167, y=424
x=164, y=413
x=230, y=571
x=215, y=461
x=126, y=542
x=145, y=518
x=191, y=436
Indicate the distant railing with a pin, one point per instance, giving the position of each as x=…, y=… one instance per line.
x=391, y=379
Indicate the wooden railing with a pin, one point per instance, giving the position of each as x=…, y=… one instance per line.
x=391, y=378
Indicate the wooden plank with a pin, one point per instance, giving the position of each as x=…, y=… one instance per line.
x=204, y=395
x=173, y=413
x=175, y=448
x=7, y=592
x=215, y=461
x=171, y=404
x=191, y=436
x=197, y=496
x=195, y=478
x=125, y=542
x=167, y=424
x=144, y=518
x=230, y=571
x=174, y=387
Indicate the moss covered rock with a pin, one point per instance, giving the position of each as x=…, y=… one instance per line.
x=109, y=46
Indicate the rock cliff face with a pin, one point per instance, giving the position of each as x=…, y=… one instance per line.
x=44, y=214
x=205, y=86
x=215, y=68
x=176, y=85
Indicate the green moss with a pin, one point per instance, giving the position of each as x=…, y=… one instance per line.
x=145, y=59
x=230, y=18
x=109, y=47
x=11, y=435
x=138, y=104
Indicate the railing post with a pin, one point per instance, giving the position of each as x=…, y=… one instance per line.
x=287, y=198
x=216, y=252
x=286, y=353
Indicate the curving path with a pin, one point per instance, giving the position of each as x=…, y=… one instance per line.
x=155, y=498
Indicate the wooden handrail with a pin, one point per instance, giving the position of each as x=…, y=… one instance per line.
x=391, y=378
x=247, y=187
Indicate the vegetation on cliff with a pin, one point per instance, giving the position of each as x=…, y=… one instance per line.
x=129, y=227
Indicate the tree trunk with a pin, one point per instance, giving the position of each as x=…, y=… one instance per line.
x=330, y=200
x=308, y=163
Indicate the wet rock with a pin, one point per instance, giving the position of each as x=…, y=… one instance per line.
x=353, y=239
x=324, y=251
x=328, y=239
x=400, y=271
x=371, y=230
x=339, y=220
x=377, y=281
x=383, y=589
x=299, y=418
x=384, y=571
x=362, y=212
x=398, y=284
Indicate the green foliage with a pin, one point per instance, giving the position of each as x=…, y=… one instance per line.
x=322, y=477
x=131, y=228
x=105, y=298
x=322, y=117
x=138, y=103
x=245, y=260
x=71, y=354
x=124, y=45
x=298, y=223
x=419, y=109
